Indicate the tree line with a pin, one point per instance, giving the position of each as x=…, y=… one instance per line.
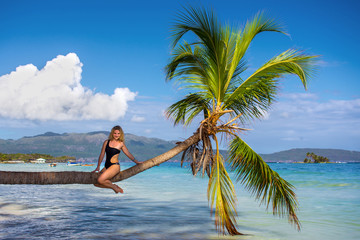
x=313, y=158
x=4, y=157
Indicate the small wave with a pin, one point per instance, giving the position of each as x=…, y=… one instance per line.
x=12, y=209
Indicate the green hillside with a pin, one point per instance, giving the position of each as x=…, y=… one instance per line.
x=83, y=145
x=299, y=154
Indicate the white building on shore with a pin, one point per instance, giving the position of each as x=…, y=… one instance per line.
x=39, y=160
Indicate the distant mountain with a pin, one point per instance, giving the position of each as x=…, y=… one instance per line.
x=299, y=154
x=84, y=145
x=47, y=134
x=88, y=146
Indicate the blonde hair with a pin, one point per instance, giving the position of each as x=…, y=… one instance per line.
x=121, y=138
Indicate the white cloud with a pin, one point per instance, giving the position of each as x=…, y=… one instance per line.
x=136, y=118
x=55, y=93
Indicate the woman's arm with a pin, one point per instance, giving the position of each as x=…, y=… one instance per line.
x=128, y=154
x=101, y=156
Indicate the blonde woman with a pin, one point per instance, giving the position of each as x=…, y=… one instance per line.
x=112, y=148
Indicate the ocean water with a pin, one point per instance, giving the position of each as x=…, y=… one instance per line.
x=167, y=202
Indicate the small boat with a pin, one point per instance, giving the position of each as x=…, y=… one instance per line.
x=52, y=164
x=73, y=163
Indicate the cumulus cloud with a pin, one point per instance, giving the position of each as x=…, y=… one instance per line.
x=55, y=93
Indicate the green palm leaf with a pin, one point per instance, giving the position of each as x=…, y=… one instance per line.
x=185, y=62
x=262, y=182
x=185, y=110
x=243, y=39
x=254, y=95
x=221, y=194
x=253, y=100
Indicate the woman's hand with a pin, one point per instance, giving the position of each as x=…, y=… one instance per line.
x=136, y=161
x=96, y=170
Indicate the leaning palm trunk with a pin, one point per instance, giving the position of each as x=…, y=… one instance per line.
x=88, y=177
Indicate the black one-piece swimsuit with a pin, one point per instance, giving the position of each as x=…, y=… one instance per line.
x=110, y=152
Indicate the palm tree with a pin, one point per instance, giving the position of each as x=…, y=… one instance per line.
x=210, y=67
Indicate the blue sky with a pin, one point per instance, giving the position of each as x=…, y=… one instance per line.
x=82, y=66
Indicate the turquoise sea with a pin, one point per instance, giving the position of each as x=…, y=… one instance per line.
x=167, y=202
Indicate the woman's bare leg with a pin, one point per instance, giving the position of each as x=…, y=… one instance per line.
x=104, y=179
x=118, y=189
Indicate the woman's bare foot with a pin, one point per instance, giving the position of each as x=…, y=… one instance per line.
x=118, y=189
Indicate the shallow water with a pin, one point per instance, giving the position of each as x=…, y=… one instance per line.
x=166, y=202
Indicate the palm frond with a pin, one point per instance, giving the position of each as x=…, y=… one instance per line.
x=258, y=24
x=262, y=182
x=185, y=62
x=191, y=68
x=215, y=45
x=253, y=100
x=185, y=110
x=200, y=156
x=255, y=95
x=221, y=194
x=291, y=61
x=203, y=23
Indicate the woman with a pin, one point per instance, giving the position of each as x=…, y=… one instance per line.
x=112, y=148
